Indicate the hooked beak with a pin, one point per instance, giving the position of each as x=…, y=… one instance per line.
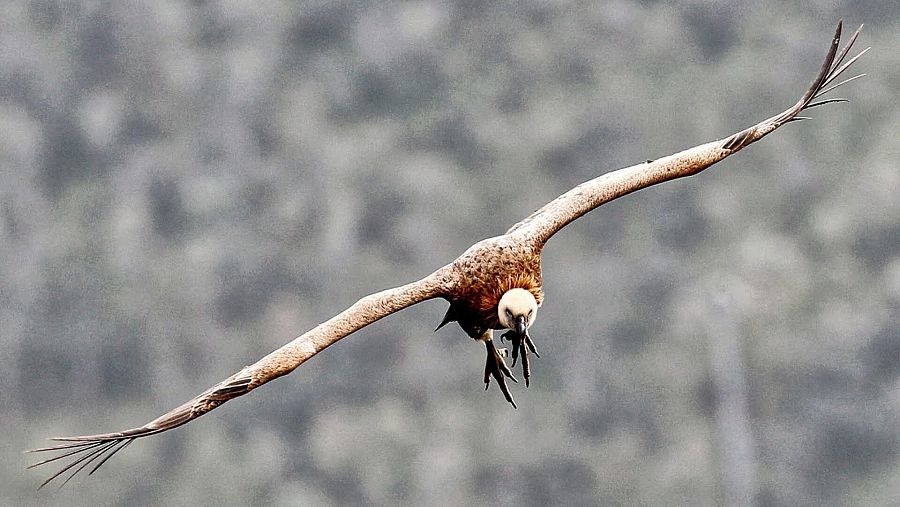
x=520, y=326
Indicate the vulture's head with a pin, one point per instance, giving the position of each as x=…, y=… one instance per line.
x=517, y=310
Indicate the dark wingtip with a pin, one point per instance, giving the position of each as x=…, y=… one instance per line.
x=831, y=69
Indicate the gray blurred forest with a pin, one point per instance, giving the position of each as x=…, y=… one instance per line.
x=187, y=186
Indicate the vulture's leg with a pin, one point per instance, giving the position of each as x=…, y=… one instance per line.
x=495, y=366
x=521, y=343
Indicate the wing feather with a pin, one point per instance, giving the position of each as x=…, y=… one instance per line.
x=548, y=220
x=84, y=450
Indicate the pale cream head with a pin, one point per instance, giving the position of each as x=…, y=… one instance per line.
x=517, y=310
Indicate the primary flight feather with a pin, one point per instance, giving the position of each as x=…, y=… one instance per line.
x=494, y=285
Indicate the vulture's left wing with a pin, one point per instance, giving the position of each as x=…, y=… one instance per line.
x=548, y=220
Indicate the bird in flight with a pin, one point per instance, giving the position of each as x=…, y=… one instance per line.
x=494, y=285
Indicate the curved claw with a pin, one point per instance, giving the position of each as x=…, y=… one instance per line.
x=521, y=343
x=495, y=366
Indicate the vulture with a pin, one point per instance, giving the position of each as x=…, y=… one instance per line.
x=493, y=285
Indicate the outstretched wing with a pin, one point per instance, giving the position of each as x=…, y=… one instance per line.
x=547, y=221
x=97, y=449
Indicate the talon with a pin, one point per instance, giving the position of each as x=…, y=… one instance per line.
x=526, y=368
x=531, y=345
x=496, y=367
x=521, y=344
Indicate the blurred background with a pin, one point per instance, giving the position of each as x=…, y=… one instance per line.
x=187, y=186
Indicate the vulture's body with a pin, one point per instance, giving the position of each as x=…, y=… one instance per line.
x=493, y=267
x=495, y=284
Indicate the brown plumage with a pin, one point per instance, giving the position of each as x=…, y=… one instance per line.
x=474, y=305
x=474, y=283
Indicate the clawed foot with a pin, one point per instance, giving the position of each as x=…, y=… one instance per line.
x=496, y=367
x=521, y=343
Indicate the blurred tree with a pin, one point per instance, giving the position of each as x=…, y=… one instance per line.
x=188, y=185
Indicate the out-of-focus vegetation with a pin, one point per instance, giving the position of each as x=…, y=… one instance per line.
x=189, y=185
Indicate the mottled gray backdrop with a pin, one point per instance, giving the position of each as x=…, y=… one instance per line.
x=186, y=186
